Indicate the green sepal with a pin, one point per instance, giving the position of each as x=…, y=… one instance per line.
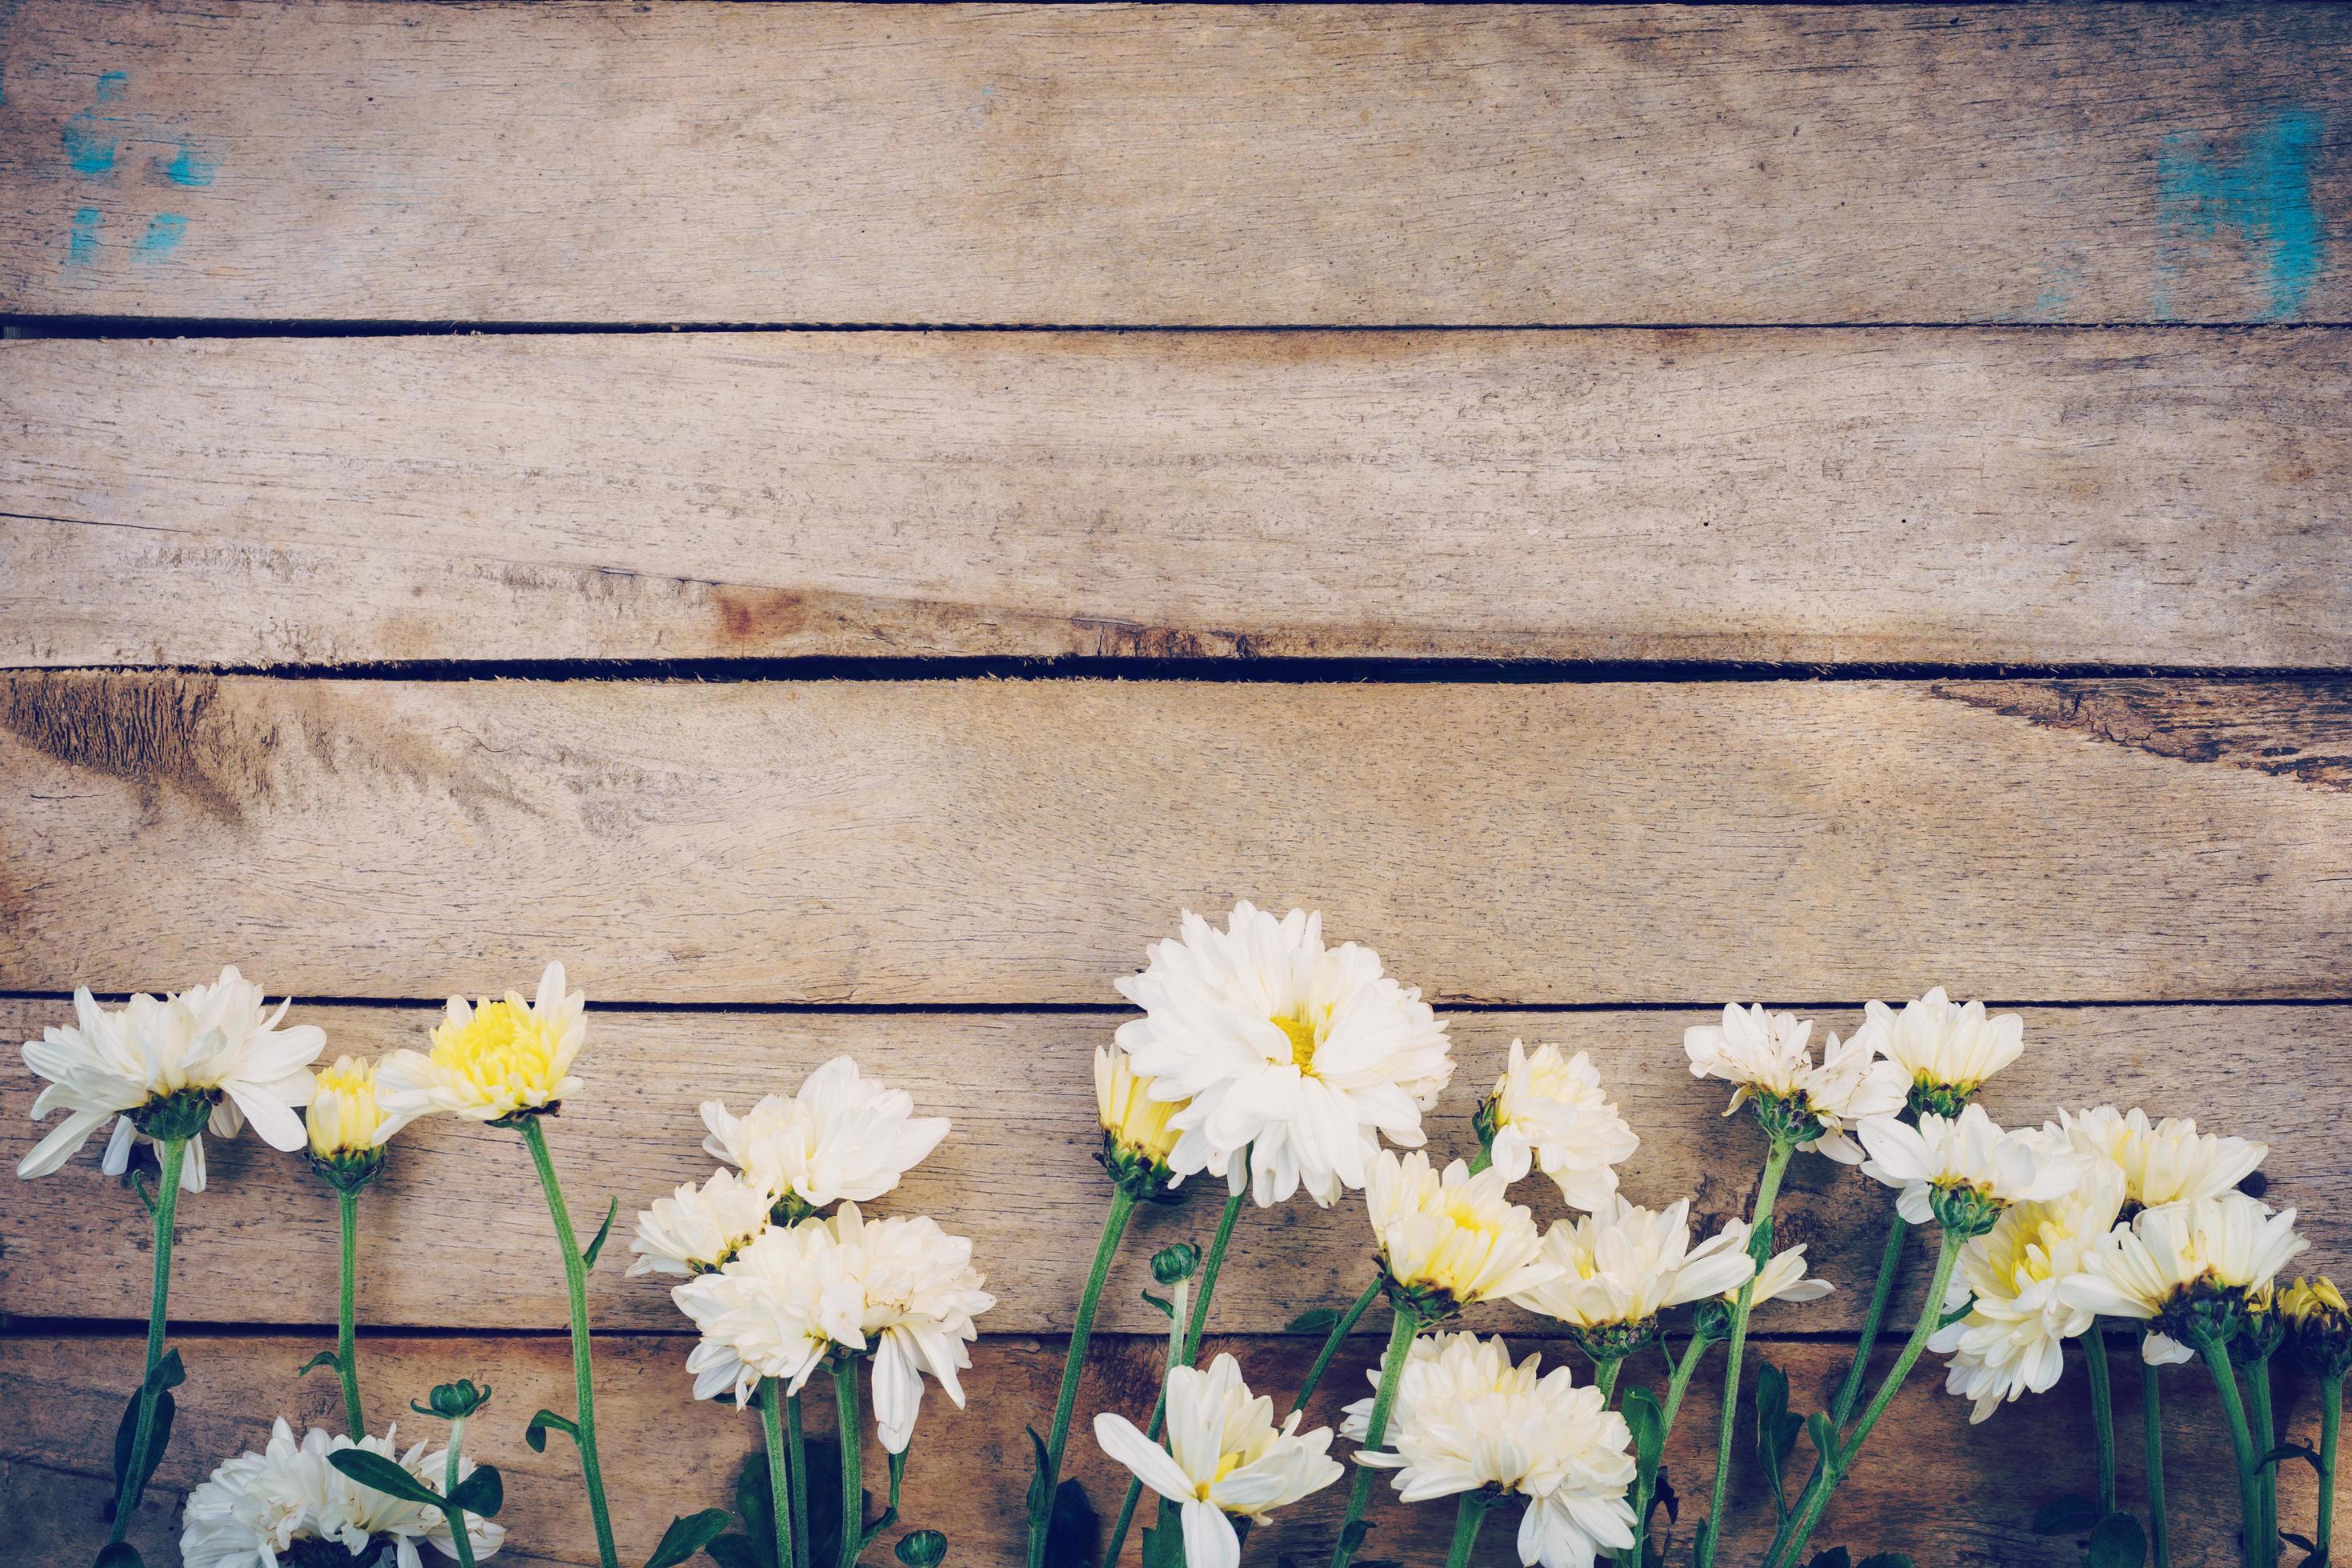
x=687, y=1534
x=482, y=1492
x=1317, y=1320
x=536, y=1433
x=588, y=1259
x=372, y=1469
x=324, y=1358
x=2117, y=1542
x=2066, y=1516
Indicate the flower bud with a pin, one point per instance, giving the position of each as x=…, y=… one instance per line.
x=1171, y=1264
x=1966, y=1211
x=2320, y=1324
x=922, y=1549
x=453, y=1401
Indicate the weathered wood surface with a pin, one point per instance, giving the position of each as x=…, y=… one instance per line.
x=1929, y=1484
x=1195, y=165
x=1020, y=841
x=1018, y=1173
x=2160, y=497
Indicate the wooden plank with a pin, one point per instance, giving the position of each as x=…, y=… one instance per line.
x=1020, y=842
x=1928, y=1483
x=1018, y=1177
x=1183, y=165
x=2158, y=497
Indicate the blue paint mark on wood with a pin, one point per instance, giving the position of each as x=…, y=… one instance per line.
x=164, y=231
x=188, y=167
x=2263, y=196
x=89, y=137
x=81, y=243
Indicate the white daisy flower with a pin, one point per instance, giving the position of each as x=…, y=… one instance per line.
x=2157, y=1266
x=1782, y=1278
x=1304, y=1056
x=1622, y=1265
x=256, y=1507
x=841, y=1138
x=2013, y=1341
x=919, y=1295
x=491, y=1060
x=1764, y=1055
x=773, y=1310
x=2170, y=1162
x=1225, y=1459
x=1450, y=1240
x=217, y=1044
x=1943, y=1046
x=1967, y=1154
x=697, y=1230
x=1549, y=1110
x=1466, y=1418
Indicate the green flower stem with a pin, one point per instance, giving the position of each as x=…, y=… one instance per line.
x=1376, y=1430
x=2102, y=1414
x=849, y=1433
x=346, y=1335
x=457, y=1516
x=1468, y=1515
x=1825, y=1480
x=2331, y=1414
x=783, y=1481
x=1645, y=1492
x=583, y=1375
x=2241, y=1445
x=1604, y=1378
x=2264, y=1431
x=1890, y=1270
x=2151, y=1427
x=796, y=1464
x=1122, y=1204
x=1768, y=1189
x=1332, y=1342
x=167, y=1204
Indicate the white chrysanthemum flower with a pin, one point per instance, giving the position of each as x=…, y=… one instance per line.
x=1224, y=1457
x=1466, y=1418
x=1549, y=1110
x=1943, y=1045
x=1967, y=1151
x=491, y=1060
x=218, y=1042
x=1450, y=1239
x=2170, y=1162
x=1764, y=1054
x=841, y=1138
x=1303, y=1055
x=1622, y=1265
x=2147, y=1267
x=697, y=1230
x=1782, y=1278
x=2013, y=1339
x=919, y=1295
x=256, y=1506
x=773, y=1310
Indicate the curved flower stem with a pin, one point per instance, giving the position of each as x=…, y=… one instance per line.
x=1759, y=1245
x=2264, y=1431
x=1890, y=1270
x=458, y=1539
x=583, y=1375
x=1468, y=1515
x=2331, y=1414
x=1331, y=1343
x=1825, y=1480
x=2102, y=1414
x=1604, y=1378
x=783, y=1480
x=849, y=1434
x=2151, y=1426
x=1082, y=1329
x=2242, y=1444
x=1376, y=1430
x=142, y=1432
x=346, y=1333
x=796, y=1464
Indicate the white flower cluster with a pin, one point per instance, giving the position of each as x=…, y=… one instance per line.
x=255, y=1508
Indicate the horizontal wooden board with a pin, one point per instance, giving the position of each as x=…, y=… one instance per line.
x=1928, y=1483
x=2157, y=497
x=1018, y=1173
x=1175, y=165
x=1022, y=841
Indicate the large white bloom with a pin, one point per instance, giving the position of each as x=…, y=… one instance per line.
x=1766, y=1054
x=917, y=1297
x=842, y=1137
x=257, y=1506
x=490, y=1060
x=220, y=1041
x=1549, y=1110
x=1302, y=1055
x=697, y=1229
x=1941, y=1043
x=1624, y=1264
x=1451, y=1235
x=2013, y=1339
x=2168, y=1162
x=1224, y=1457
x=1465, y=1417
x=1968, y=1151
x=773, y=1310
x=2138, y=1271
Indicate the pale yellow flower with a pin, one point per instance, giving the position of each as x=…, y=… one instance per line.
x=491, y=1060
x=1452, y=1239
x=343, y=1116
x=1137, y=1126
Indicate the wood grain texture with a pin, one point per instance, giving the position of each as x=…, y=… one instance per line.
x=1018, y=1173
x=1022, y=841
x=2157, y=497
x=1188, y=165
x=1929, y=1484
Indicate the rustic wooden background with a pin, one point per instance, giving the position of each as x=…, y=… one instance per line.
x=838, y=522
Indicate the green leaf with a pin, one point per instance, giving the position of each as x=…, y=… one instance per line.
x=1641, y=1411
x=2285, y=1451
x=1163, y=1546
x=372, y=1469
x=1887, y=1560
x=544, y=1422
x=2116, y=1542
x=738, y=1552
x=166, y=1372
x=1321, y=1320
x=597, y=1245
x=138, y=1185
x=1822, y=1434
x=1776, y=1431
x=324, y=1358
x=1038, y=1501
x=1074, y=1535
x=166, y=1376
x=1835, y=1557
x=755, y=1505
x=687, y=1534
x=1167, y=1308
x=2066, y=1516
x=1702, y=1544
x=119, y=1554
x=482, y=1492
